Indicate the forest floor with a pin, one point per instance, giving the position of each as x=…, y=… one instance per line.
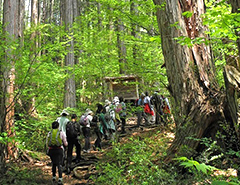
x=42, y=166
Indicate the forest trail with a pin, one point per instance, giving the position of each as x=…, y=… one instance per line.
x=86, y=167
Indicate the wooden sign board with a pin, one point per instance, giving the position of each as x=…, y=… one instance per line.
x=125, y=86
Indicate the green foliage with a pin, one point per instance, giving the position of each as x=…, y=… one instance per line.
x=4, y=138
x=194, y=166
x=20, y=175
x=218, y=182
x=187, y=14
x=132, y=163
x=222, y=25
x=202, y=171
x=31, y=134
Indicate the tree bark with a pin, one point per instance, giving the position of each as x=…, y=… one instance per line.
x=70, y=89
x=199, y=105
x=11, y=28
x=134, y=28
x=122, y=52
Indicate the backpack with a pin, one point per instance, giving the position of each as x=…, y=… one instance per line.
x=72, y=129
x=119, y=108
x=54, y=138
x=84, y=120
x=94, y=121
x=136, y=102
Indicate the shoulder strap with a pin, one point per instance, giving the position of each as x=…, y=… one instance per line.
x=57, y=137
x=50, y=136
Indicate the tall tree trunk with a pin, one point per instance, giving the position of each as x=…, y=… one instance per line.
x=133, y=11
x=122, y=52
x=29, y=101
x=11, y=28
x=199, y=106
x=48, y=7
x=70, y=89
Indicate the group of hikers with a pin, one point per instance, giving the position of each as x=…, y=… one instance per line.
x=65, y=133
x=153, y=109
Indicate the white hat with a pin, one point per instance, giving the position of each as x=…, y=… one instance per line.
x=88, y=111
x=115, y=99
x=64, y=112
x=143, y=94
x=107, y=102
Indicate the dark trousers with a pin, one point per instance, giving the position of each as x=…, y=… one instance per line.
x=71, y=143
x=86, y=134
x=142, y=115
x=123, y=120
x=98, y=141
x=139, y=117
x=56, y=156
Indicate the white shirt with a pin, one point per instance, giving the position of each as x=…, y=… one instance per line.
x=89, y=119
x=62, y=123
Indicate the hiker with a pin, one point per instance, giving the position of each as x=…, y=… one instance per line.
x=62, y=120
x=86, y=128
x=122, y=114
x=166, y=109
x=54, y=142
x=116, y=107
x=157, y=101
x=140, y=109
x=106, y=119
x=166, y=100
x=73, y=131
x=101, y=125
x=148, y=110
x=109, y=115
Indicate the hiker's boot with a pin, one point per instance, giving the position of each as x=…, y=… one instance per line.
x=54, y=180
x=60, y=181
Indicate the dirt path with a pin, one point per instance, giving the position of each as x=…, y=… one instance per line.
x=87, y=165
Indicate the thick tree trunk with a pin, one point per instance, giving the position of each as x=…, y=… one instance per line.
x=11, y=28
x=70, y=88
x=198, y=102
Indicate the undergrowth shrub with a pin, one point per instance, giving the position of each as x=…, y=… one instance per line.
x=20, y=175
x=135, y=163
x=204, y=174
x=31, y=133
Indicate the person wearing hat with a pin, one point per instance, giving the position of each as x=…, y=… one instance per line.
x=157, y=101
x=87, y=130
x=148, y=110
x=115, y=112
x=109, y=114
x=62, y=120
x=107, y=105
